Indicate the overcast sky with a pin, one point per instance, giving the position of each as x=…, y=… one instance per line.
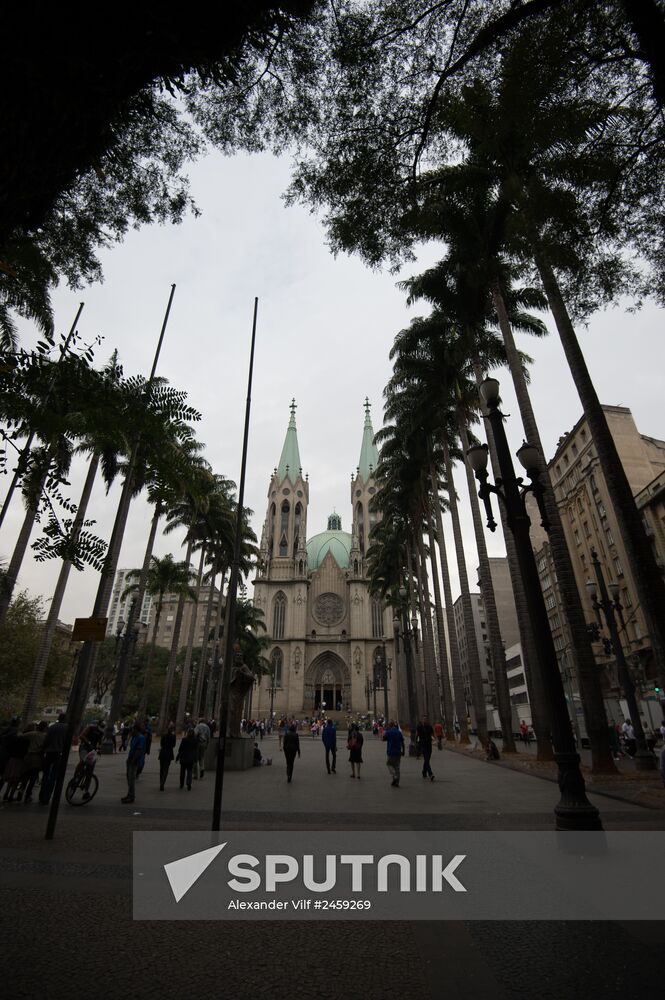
x=325, y=327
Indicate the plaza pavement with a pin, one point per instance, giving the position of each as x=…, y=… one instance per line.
x=66, y=904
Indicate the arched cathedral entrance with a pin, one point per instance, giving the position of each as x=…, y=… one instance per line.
x=327, y=684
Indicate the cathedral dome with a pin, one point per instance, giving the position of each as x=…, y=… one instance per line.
x=336, y=542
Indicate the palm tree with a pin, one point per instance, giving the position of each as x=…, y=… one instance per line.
x=101, y=432
x=189, y=514
x=165, y=576
x=427, y=359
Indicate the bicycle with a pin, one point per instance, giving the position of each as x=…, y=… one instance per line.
x=84, y=784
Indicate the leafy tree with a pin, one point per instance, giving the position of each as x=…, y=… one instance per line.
x=19, y=640
x=95, y=140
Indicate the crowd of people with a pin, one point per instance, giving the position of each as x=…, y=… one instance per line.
x=29, y=755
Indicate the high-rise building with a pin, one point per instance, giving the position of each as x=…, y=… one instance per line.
x=167, y=618
x=481, y=639
x=325, y=629
x=119, y=609
x=589, y=523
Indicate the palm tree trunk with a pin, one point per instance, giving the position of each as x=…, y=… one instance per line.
x=198, y=691
x=173, y=654
x=458, y=684
x=137, y=604
x=444, y=665
x=143, y=704
x=431, y=676
x=497, y=651
x=58, y=594
x=473, y=653
x=540, y=714
x=219, y=692
x=648, y=580
x=214, y=683
x=602, y=760
x=104, y=595
x=416, y=653
x=8, y=581
x=187, y=665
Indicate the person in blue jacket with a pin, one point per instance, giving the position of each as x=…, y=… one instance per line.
x=394, y=741
x=329, y=737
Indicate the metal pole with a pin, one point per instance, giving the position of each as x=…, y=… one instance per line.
x=385, y=685
x=229, y=638
x=88, y=649
x=573, y=811
x=106, y=584
x=74, y=697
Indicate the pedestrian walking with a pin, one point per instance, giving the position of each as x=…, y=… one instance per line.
x=355, y=748
x=438, y=732
x=135, y=761
x=630, y=742
x=188, y=752
x=394, y=740
x=291, y=746
x=18, y=749
x=425, y=734
x=6, y=740
x=34, y=761
x=166, y=754
x=329, y=737
x=124, y=736
x=53, y=747
x=524, y=732
x=202, y=733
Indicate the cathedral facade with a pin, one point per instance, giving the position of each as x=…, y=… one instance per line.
x=328, y=635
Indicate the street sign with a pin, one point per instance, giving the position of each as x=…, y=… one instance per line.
x=89, y=629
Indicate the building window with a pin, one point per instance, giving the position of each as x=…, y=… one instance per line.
x=360, y=521
x=580, y=506
x=278, y=615
x=546, y=581
x=601, y=509
x=377, y=619
x=578, y=540
x=575, y=450
x=610, y=537
x=284, y=530
x=618, y=567
x=276, y=661
x=587, y=533
x=627, y=599
x=296, y=529
x=550, y=602
x=594, y=486
x=542, y=564
x=273, y=516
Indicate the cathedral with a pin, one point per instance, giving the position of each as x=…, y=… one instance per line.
x=328, y=635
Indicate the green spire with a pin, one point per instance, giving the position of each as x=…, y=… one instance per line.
x=369, y=453
x=290, y=458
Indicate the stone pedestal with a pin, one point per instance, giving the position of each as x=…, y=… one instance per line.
x=239, y=753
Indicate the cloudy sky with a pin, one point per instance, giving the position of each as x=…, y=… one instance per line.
x=325, y=327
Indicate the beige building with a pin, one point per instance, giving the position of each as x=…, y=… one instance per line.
x=325, y=629
x=589, y=524
x=167, y=619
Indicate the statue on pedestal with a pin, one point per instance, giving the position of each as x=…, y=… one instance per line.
x=242, y=679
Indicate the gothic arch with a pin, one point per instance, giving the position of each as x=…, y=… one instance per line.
x=327, y=676
x=278, y=614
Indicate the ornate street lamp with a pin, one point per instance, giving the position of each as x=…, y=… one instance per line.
x=611, y=607
x=574, y=811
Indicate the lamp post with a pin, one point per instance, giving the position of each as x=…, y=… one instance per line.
x=573, y=811
x=611, y=608
x=381, y=671
x=272, y=688
x=407, y=633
